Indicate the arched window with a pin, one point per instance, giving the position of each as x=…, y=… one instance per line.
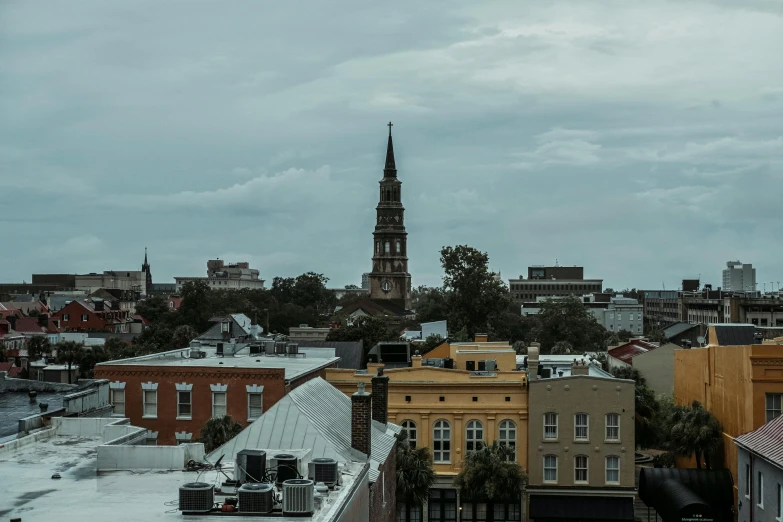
x=507, y=437
x=377, y=247
x=387, y=248
x=383, y=195
x=398, y=247
x=441, y=441
x=410, y=428
x=580, y=468
x=474, y=436
x=550, y=468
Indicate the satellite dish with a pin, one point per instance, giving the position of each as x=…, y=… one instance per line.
x=701, y=339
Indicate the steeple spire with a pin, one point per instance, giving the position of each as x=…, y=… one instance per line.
x=390, y=170
x=145, y=255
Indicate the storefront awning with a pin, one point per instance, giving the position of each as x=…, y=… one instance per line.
x=572, y=507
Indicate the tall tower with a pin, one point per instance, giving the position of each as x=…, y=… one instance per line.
x=145, y=267
x=389, y=279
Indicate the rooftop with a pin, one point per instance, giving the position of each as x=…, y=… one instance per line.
x=562, y=363
x=294, y=366
x=766, y=441
x=74, y=447
x=17, y=405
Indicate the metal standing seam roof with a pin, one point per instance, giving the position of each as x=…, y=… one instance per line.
x=766, y=441
x=314, y=416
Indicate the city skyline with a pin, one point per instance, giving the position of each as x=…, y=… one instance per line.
x=531, y=132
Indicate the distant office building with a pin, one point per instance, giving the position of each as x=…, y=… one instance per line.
x=739, y=277
x=222, y=276
x=546, y=281
x=366, y=281
x=613, y=313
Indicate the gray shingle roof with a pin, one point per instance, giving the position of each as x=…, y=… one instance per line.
x=349, y=352
x=315, y=416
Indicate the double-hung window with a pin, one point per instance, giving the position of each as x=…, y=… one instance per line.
x=550, y=426
x=149, y=392
x=612, y=470
x=580, y=468
x=550, y=468
x=219, y=397
x=774, y=405
x=612, y=427
x=184, y=401
x=117, y=397
x=580, y=427
x=410, y=428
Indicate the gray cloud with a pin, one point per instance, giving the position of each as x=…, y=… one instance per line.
x=639, y=139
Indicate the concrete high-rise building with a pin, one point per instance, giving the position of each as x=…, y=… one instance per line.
x=547, y=281
x=739, y=277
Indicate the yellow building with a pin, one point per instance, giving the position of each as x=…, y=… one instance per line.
x=453, y=410
x=741, y=385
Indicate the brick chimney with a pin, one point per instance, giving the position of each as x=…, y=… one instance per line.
x=532, y=361
x=380, y=397
x=481, y=338
x=361, y=420
x=580, y=367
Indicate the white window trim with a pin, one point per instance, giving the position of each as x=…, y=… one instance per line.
x=779, y=518
x=225, y=396
x=183, y=436
x=748, y=480
x=445, y=426
x=113, y=386
x=511, y=426
x=416, y=431
x=219, y=387
x=587, y=470
x=183, y=387
x=557, y=428
x=761, y=490
x=149, y=386
x=477, y=443
x=254, y=389
x=587, y=426
x=190, y=393
x=557, y=471
x=606, y=427
x=606, y=469
x=144, y=403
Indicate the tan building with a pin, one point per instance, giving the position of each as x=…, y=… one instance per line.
x=581, y=440
x=739, y=382
x=307, y=333
x=453, y=411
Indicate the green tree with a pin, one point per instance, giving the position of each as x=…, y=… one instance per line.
x=624, y=335
x=646, y=407
x=430, y=342
x=183, y=335
x=475, y=296
x=568, y=320
x=695, y=431
x=90, y=357
x=415, y=475
x=154, y=309
x=118, y=349
x=70, y=353
x=38, y=347
x=562, y=348
x=490, y=475
x=219, y=430
x=369, y=330
x=195, y=309
x=430, y=304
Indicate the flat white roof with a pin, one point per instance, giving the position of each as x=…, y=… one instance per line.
x=27, y=490
x=294, y=366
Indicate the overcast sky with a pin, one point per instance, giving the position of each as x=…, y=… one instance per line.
x=642, y=140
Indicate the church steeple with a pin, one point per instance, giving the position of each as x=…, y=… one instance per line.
x=390, y=170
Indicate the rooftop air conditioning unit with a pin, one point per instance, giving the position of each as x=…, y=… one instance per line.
x=255, y=349
x=287, y=467
x=269, y=347
x=323, y=470
x=196, y=497
x=250, y=465
x=256, y=498
x=197, y=354
x=292, y=348
x=492, y=365
x=298, y=497
x=280, y=347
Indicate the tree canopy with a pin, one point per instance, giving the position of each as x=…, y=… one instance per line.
x=568, y=320
x=369, y=330
x=219, y=430
x=489, y=475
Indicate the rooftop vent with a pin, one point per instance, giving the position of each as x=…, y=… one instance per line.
x=196, y=497
x=280, y=347
x=292, y=348
x=298, y=497
x=323, y=470
x=256, y=498
x=197, y=354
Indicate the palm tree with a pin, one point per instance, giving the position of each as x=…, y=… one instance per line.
x=488, y=475
x=414, y=472
x=695, y=431
x=70, y=353
x=37, y=347
x=219, y=430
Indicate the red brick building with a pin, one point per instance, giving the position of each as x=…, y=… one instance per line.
x=173, y=395
x=91, y=315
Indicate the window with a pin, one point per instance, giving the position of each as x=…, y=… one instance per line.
x=387, y=248
x=550, y=426
x=550, y=468
x=378, y=247
x=410, y=428
x=612, y=426
x=118, y=401
x=760, y=491
x=773, y=405
x=580, y=426
x=780, y=502
x=150, y=403
x=84, y=318
x=507, y=437
x=441, y=441
x=408, y=513
x=398, y=247
x=612, y=470
x=580, y=468
x=474, y=436
x=442, y=506
x=255, y=403
x=184, y=407
x=66, y=317
x=218, y=404
x=748, y=478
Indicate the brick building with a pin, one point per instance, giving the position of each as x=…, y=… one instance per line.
x=91, y=315
x=173, y=394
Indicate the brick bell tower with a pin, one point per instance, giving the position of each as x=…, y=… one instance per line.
x=389, y=279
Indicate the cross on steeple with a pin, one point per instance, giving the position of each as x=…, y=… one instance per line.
x=390, y=170
x=390, y=124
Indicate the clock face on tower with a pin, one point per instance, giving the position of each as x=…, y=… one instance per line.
x=386, y=285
